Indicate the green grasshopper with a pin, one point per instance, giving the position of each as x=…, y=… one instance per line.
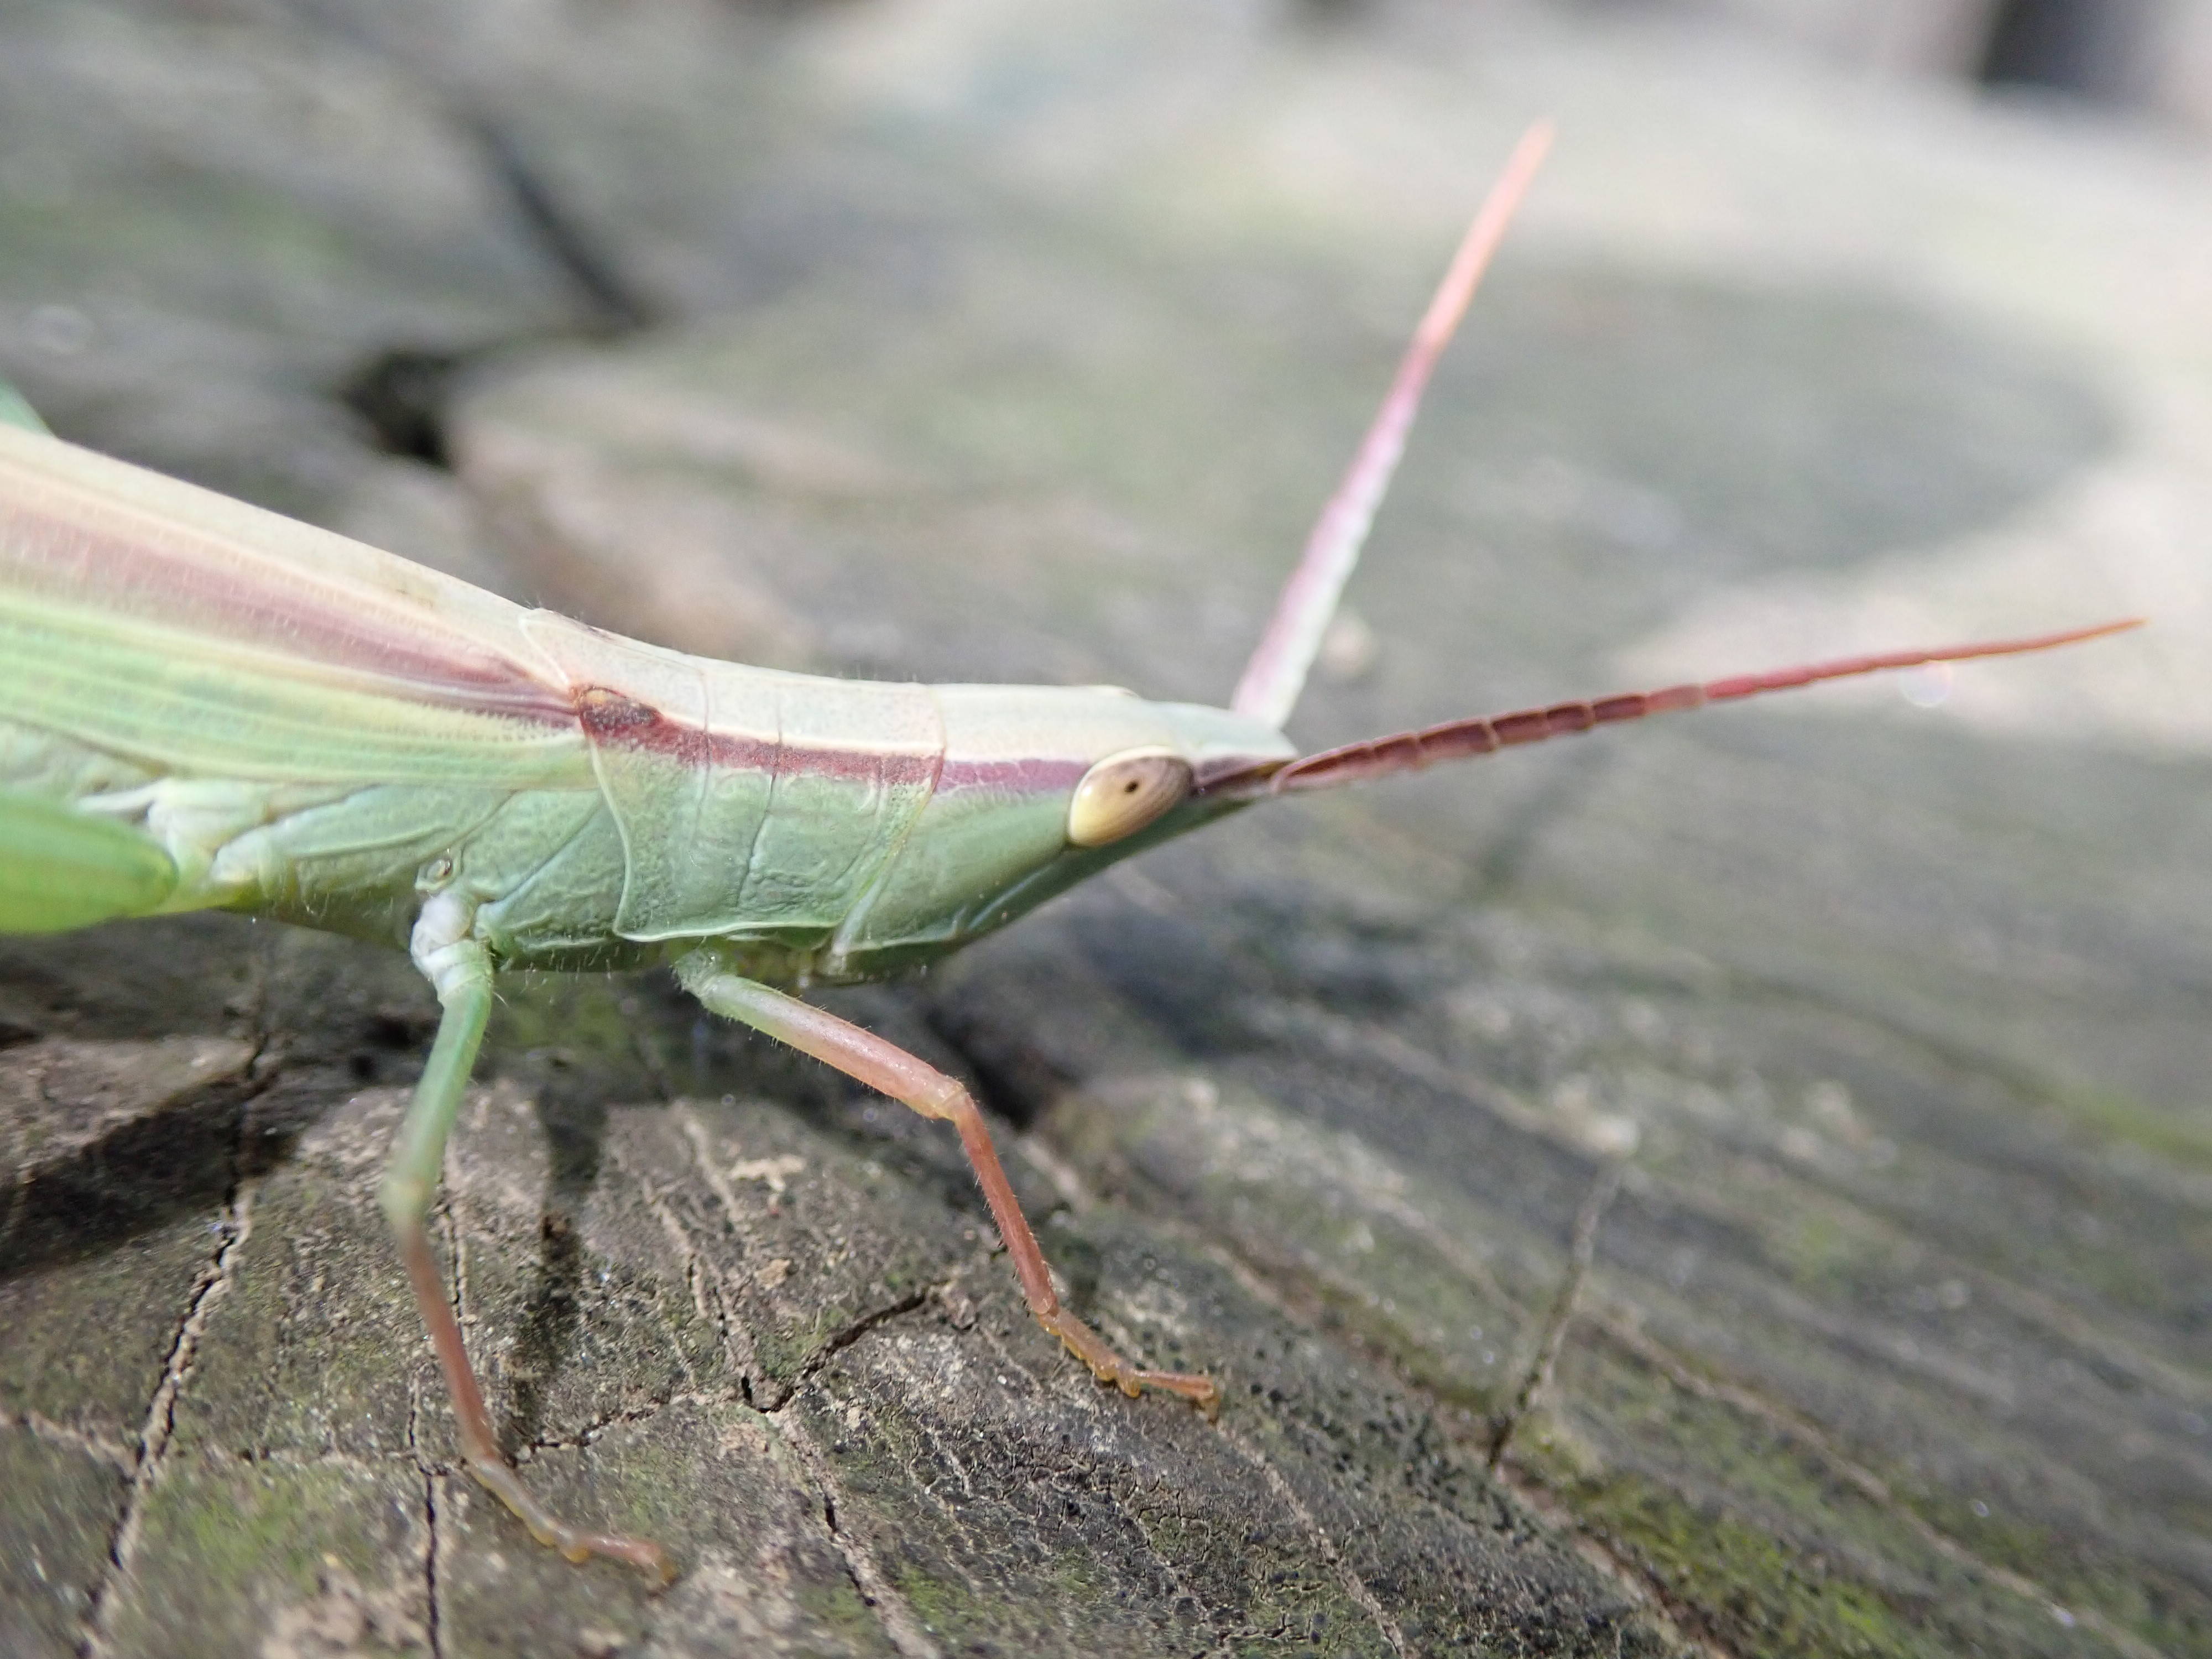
x=208, y=705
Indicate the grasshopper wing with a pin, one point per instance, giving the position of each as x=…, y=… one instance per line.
x=192, y=634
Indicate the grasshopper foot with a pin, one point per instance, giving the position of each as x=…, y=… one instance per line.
x=1108, y=1366
x=574, y=1542
x=863, y=1055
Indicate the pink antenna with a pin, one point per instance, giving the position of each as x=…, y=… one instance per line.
x=1409, y=752
x=1276, y=672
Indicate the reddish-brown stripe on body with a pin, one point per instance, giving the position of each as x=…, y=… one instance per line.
x=614, y=719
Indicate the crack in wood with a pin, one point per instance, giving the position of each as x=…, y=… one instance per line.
x=852, y=1331
x=430, y=1471
x=1345, y=1038
x=617, y=304
x=701, y=1277
x=235, y=1227
x=432, y=1612
x=1520, y=1486
x=593, y=1430
x=843, y=1338
x=897, y=1619
x=1582, y=1251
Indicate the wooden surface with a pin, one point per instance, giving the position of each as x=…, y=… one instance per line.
x=1858, y=1047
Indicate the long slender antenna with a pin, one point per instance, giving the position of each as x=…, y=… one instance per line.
x=1409, y=752
x=1276, y=672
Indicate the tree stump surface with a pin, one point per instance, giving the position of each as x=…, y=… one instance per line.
x=1780, y=1133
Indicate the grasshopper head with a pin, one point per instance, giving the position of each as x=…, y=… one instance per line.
x=1041, y=787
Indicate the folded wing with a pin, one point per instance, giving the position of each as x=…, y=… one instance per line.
x=194, y=634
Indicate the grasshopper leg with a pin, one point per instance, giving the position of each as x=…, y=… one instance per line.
x=890, y=1069
x=62, y=868
x=461, y=972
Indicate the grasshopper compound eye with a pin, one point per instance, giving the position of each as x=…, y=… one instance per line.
x=1124, y=792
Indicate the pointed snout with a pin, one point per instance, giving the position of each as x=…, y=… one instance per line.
x=1225, y=749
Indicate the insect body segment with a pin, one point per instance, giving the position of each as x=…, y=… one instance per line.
x=746, y=799
x=206, y=705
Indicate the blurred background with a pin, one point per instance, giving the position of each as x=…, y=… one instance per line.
x=1003, y=341
x=2138, y=56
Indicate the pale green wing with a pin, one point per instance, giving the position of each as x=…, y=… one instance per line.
x=194, y=634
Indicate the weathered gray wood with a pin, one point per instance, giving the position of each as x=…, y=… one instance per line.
x=1892, y=1342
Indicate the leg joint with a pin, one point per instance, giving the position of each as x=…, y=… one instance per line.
x=405, y=1199
x=441, y=946
x=945, y=1098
